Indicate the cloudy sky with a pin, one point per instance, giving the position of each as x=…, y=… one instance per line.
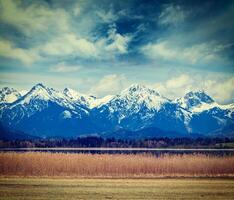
x=100, y=46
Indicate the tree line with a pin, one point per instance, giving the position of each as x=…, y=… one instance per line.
x=92, y=141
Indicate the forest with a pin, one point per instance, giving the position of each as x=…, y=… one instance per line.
x=93, y=141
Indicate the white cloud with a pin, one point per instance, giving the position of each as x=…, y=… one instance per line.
x=26, y=56
x=33, y=18
x=51, y=32
x=170, y=51
x=63, y=68
x=119, y=43
x=109, y=85
x=175, y=87
x=107, y=17
x=171, y=14
x=181, y=81
x=206, y=41
x=220, y=90
x=69, y=44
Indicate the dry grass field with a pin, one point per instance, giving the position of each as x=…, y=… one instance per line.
x=86, y=189
x=114, y=166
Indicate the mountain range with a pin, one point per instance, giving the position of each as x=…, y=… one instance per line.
x=136, y=112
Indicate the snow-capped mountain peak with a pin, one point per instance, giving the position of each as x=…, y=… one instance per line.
x=80, y=98
x=141, y=94
x=39, y=85
x=9, y=95
x=195, y=99
x=137, y=100
x=42, y=93
x=23, y=92
x=73, y=94
x=200, y=95
x=135, y=89
x=134, y=108
x=39, y=91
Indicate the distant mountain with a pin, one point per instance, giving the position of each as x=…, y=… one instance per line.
x=194, y=100
x=208, y=116
x=45, y=112
x=139, y=107
x=78, y=98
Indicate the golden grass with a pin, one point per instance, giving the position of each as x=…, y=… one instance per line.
x=21, y=188
x=114, y=165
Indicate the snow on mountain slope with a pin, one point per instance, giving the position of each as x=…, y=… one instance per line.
x=46, y=112
x=9, y=95
x=40, y=96
x=193, y=100
x=139, y=98
x=77, y=97
x=97, y=102
x=138, y=107
x=36, y=100
x=133, y=99
x=39, y=91
x=88, y=101
x=198, y=102
x=211, y=120
x=23, y=92
x=204, y=107
x=42, y=93
x=135, y=108
x=140, y=94
x=206, y=115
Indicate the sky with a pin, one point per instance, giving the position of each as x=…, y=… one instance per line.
x=100, y=47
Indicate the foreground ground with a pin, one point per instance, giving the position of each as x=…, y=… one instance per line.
x=43, y=189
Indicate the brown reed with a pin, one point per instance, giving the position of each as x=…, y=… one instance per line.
x=115, y=165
